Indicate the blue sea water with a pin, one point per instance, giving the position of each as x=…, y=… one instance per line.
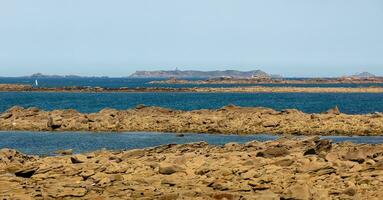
x=144, y=82
x=45, y=143
x=352, y=103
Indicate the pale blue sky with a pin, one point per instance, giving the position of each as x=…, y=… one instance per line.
x=117, y=37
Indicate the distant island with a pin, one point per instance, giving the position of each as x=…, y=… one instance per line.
x=212, y=76
x=364, y=77
x=41, y=75
x=202, y=74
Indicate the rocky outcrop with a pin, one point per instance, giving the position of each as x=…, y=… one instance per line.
x=15, y=87
x=229, y=119
x=201, y=171
x=244, y=89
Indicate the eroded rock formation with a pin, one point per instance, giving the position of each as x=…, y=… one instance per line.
x=283, y=169
x=229, y=119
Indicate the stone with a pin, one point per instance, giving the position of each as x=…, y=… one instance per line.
x=140, y=106
x=53, y=124
x=64, y=152
x=26, y=173
x=230, y=120
x=61, y=192
x=169, y=169
x=355, y=155
x=76, y=159
x=273, y=152
x=6, y=115
x=199, y=171
x=333, y=111
x=350, y=191
x=299, y=192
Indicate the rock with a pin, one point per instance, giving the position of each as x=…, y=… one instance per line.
x=53, y=124
x=86, y=174
x=273, y=152
x=169, y=169
x=64, y=152
x=78, y=159
x=355, y=156
x=321, y=145
x=170, y=196
x=350, y=191
x=26, y=173
x=333, y=111
x=310, y=151
x=140, y=106
x=266, y=195
x=169, y=182
x=203, y=170
x=229, y=120
x=270, y=123
x=61, y=192
x=298, y=191
x=219, y=185
x=223, y=196
x=135, y=153
x=232, y=146
x=6, y=115
x=199, y=171
x=284, y=162
x=377, y=115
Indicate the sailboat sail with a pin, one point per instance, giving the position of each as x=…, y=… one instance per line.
x=36, y=83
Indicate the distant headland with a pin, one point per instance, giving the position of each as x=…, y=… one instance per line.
x=202, y=74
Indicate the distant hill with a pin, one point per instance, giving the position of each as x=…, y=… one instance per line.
x=40, y=75
x=364, y=75
x=201, y=74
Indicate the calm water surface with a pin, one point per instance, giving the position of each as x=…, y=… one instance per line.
x=144, y=82
x=351, y=103
x=45, y=143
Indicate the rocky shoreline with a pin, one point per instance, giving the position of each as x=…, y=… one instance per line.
x=227, y=120
x=268, y=80
x=309, y=168
x=246, y=89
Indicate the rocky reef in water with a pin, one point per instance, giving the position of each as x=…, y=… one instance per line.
x=304, y=169
x=227, y=120
x=15, y=87
x=244, y=89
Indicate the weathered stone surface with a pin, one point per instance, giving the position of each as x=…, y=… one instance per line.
x=232, y=119
x=169, y=169
x=273, y=152
x=64, y=152
x=200, y=171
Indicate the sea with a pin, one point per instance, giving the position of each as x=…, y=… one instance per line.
x=44, y=143
x=350, y=103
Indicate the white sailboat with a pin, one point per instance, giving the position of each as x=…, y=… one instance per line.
x=36, y=83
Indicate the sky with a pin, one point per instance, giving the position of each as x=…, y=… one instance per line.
x=296, y=38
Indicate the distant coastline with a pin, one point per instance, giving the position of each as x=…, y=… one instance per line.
x=208, y=75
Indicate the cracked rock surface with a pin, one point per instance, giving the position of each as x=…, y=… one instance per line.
x=287, y=168
x=229, y=119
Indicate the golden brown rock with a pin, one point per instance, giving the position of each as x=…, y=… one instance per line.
x=229, y=119
x=199, y=171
